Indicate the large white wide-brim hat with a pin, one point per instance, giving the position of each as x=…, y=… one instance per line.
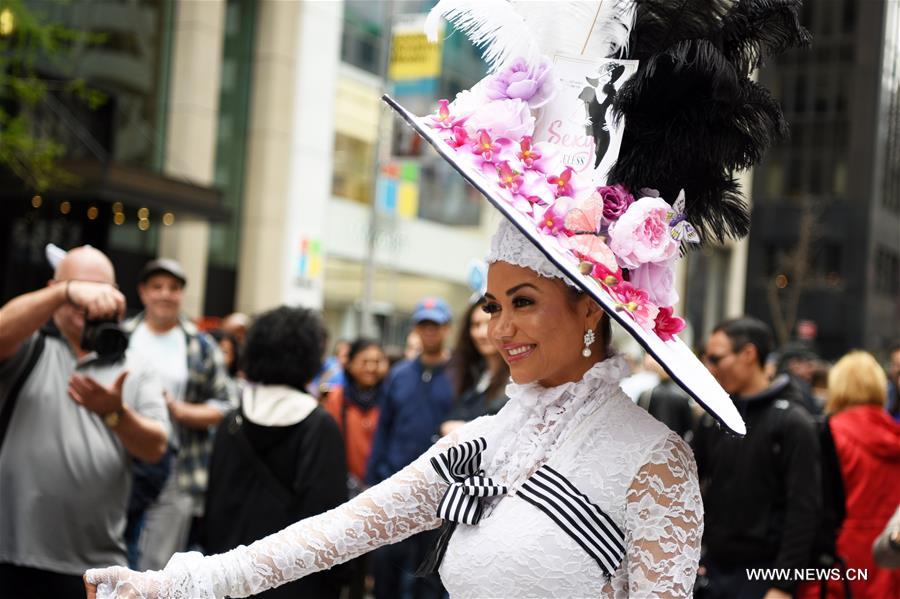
x=607, y=133
x=673, y=355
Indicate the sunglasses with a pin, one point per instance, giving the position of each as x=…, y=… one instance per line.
x=713, y=360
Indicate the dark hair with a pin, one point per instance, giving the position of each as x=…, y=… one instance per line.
x=467, y=363
x=284, y=347
x=604, y=327
x=361, y=344
x=220, y=335
x=747, y=330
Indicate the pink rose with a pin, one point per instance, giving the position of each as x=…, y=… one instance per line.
x=667, y=325
x=658, y=280
x=511, y=119
x=641, y=235
x=616, y=201
x=518, y=80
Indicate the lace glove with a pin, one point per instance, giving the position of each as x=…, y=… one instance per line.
x=399, y=507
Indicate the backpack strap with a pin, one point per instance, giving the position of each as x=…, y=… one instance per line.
x=9, y=405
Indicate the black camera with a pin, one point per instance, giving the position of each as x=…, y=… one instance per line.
x=106, y=338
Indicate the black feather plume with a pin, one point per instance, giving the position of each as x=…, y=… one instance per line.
x=756, y=30
x=692, y=117
x=660, y=24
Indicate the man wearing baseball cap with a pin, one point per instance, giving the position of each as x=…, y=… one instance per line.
x=416, y=397
x=194, y=377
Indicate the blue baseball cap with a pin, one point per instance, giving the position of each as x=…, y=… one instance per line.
x=432, y=308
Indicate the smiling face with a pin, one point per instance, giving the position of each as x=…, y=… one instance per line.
x=365, y=366
x=161, y=295
x=539, y=327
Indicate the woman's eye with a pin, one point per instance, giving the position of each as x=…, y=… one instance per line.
x=521, y=302
x=490, y=308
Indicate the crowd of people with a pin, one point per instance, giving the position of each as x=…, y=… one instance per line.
x=126, y=443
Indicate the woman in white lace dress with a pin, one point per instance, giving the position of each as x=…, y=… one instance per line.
x=571, y=490
x=610, y=466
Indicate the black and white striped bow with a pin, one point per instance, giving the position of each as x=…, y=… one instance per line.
x=460, y=466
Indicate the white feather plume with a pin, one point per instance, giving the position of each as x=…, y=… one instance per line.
x=493, y=25
x=590, y=28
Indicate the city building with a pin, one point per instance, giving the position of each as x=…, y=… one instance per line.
x=824, y=254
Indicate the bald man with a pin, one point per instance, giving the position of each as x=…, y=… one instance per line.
x=73, y=425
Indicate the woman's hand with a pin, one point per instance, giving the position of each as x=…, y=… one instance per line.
x=117, y=582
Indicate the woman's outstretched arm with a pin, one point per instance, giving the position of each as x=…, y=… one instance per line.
x=401, y=506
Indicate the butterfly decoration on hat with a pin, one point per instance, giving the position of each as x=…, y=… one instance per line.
x=608, y=132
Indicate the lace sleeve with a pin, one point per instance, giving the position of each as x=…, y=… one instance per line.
x=397, y=508
x=664, y=517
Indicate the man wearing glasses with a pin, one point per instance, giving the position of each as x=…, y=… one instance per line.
x=761, y=493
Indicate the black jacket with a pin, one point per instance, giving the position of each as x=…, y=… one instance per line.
x=761, y=493
x=264, y=478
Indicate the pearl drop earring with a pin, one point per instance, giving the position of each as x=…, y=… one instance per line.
x=588, y=340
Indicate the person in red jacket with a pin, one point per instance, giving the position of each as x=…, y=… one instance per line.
x=867, y=441
x=354, y=405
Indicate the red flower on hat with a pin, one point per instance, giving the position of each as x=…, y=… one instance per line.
x=607, y=277
x=667, y=325
x=459, y=138
x=636, y=303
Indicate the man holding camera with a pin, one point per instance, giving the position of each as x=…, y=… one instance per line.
x=198, y=395
x=71, y=417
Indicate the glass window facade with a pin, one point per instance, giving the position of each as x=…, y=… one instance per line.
x=130, y=65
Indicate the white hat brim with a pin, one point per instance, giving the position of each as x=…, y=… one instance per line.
x=674, y=356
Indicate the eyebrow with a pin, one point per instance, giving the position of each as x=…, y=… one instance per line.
x=512, y=290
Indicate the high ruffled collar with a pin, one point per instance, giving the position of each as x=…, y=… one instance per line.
x=605, y=373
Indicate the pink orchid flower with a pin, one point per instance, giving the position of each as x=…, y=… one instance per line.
x=509, y=179
x=487, y=152
x=636, y=303
x=667, y=325
x=562, y=182
x=444, y=119
x=553, y=220
x=459, y=138
x=484, y=146
x=527, y=154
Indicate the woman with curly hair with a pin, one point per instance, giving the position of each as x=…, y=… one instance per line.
x=279, y=457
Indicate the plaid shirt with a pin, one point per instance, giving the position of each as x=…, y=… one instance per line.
x=207, y=383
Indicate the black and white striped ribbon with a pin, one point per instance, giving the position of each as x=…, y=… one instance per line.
x=583, y=521
x=460, y=466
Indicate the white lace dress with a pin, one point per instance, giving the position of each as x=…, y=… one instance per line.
x=629, y=465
